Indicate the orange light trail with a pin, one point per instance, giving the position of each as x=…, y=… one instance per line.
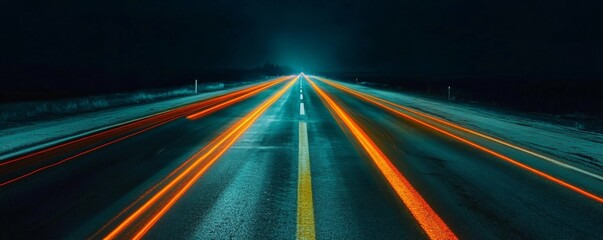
x=157, y=205
x=211, y=100
x=231, y=101
x=139, y=126
x=75, y=156
x=467, y=130
x=472, y=144
x=428, y=219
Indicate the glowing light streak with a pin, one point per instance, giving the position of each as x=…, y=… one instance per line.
x=145, y=123
x=231, y=101
x=551, y=178
x=142, y=220
x=428, y=219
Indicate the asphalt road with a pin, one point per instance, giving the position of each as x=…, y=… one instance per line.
x=263, y=168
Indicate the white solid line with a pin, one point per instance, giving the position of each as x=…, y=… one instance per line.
x=302, y=111
x=301, y=96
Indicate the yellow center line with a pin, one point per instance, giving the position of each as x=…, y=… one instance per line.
x=305, y=206
x=428, y=219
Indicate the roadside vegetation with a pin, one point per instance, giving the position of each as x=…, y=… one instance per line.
x=21, y=112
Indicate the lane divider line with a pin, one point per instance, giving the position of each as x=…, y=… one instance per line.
x=479, y=147
x=302, y=111
x=139, y=222
x=428, y=219
x=305, y=205
x=301, y=97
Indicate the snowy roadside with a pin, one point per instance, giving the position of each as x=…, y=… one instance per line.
x=566, y=143
x=18, y=140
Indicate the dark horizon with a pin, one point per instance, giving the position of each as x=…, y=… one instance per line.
x=422, y=39
x=61, y=50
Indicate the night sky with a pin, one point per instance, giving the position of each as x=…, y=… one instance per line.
x=414, y=38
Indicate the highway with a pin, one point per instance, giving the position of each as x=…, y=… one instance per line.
x=296, y=157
